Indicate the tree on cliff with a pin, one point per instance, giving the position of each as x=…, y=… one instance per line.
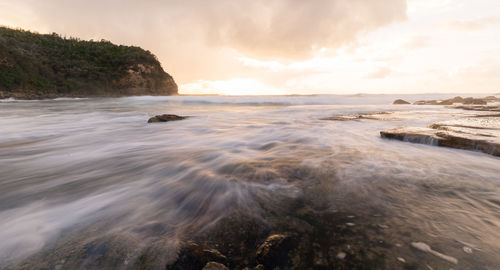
x=36, y=66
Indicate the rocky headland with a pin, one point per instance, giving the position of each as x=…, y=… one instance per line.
x=36, y=66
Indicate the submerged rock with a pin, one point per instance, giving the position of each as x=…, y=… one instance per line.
x=193, y=256
x=400, y=102
x=480, y=133
x=166, y=118
x=215, y=266
x=274, y=251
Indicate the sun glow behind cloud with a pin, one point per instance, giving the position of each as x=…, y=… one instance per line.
x=232, y=87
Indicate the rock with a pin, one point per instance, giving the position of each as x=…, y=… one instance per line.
x=166, y=118
x=351, y=117
x=458, y=99
x=138, y=72
x=215, y=266
x=451, y=101
x=274, y=251
x=400, y=102
x=492, y=108
x=474, y=101
x=426, y=102
x=193, y=256
x=481, y=133
x=341, y=255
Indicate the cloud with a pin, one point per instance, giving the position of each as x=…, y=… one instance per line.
x=199, y=41
x=381, y=73
x=476, y=24
x=416, y=42
x=289, y=29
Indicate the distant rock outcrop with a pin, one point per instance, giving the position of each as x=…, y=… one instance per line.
x=400, y=102
x=36, y=66
x=465, y=101
x=451, y=101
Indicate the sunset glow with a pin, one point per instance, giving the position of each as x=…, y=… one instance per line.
x=293, y=47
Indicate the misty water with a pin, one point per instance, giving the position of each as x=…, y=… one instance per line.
x=87, y=183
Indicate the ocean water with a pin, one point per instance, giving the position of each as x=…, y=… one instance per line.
x=87, y=183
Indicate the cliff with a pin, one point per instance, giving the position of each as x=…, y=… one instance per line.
x=34, y=66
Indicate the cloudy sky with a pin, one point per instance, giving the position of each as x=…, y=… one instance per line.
x=292, y=46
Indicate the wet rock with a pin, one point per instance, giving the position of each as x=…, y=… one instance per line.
x=475, y=101
x=166, y=118
x=488, y=108
x=426, y=102
x=351, y=117
x=215, y=266
x=473, y=133
x=274, y=251
x=451, y=101
x=467, y=250
x=458, y=99
x=341, y=255
x=400, y=102
x=193, y=256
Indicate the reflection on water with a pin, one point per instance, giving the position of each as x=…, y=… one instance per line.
x=88, y=183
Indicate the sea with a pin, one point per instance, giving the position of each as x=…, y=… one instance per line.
x=87, y=183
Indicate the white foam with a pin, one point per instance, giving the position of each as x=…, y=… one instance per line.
x=426, y=248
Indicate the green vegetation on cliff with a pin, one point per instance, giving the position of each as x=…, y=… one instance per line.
x=43, y=66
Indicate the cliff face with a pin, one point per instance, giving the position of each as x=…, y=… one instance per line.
x=34, y=66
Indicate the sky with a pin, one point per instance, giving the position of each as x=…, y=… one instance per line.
x=250, y=47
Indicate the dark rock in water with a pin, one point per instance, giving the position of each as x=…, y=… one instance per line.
x=426, y=102
x=215, y=266
x=480, y=133
x=274, y=251
x=193, y=256
x=400, y=102
x=350, y=117
x=166, y=118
